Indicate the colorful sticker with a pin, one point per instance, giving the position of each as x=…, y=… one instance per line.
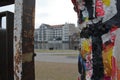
x=114, y=61
x=86, y=53
x=106, y=2
x=107, y=55
x=85, y=47
x=99, y=8
x=110, y=10
x=109, y=61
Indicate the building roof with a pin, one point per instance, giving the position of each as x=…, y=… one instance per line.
x=6, y=2
x=57, y=26
x=46, y=25
x=53, y=26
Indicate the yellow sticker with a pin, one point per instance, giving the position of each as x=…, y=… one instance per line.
x=107, y=59
x=86, y=45
x=106, y=2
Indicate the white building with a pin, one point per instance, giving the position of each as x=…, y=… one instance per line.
x=55, y=36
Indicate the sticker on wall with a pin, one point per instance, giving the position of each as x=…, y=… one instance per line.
x=86, y=54
x=109, y=60
x=106, y=2
x=99, y=8
x=110, y=10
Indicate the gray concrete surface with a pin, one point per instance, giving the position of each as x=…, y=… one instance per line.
x=47, y=57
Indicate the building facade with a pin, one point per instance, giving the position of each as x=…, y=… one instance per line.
x=54, y=36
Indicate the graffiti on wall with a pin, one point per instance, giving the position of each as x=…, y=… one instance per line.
x=99, y=23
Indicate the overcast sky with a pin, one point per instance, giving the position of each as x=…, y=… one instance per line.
x=51, y=12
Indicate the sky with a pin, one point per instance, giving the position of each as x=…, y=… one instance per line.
x=52, y=12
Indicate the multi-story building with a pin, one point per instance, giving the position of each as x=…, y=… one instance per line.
x=55, y=36
x=36, y=38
